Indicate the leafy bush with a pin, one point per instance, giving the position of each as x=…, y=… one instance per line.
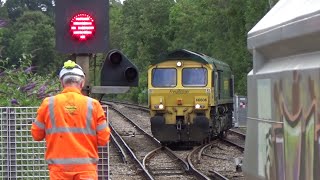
x=20, y=85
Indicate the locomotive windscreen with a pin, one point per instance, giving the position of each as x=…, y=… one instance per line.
x=194, y=77
x=164, y=77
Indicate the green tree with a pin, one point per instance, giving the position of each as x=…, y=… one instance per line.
x=213, y=27
x=116, y=25
x=32, y=33
x=3, y=12
x=145, y=33
x=16, y=8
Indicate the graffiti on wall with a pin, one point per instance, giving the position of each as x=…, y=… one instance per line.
x=293, y=146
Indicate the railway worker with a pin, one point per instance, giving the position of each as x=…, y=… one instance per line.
x=73, y=126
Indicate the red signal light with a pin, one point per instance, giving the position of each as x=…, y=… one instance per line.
x=82, y=26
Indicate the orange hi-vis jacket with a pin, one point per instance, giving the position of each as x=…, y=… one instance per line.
x=73, y=126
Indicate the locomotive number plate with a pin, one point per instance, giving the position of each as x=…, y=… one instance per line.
x=201, y=99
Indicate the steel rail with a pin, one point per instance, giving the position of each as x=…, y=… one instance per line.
x=201, y=151
x=233, y=143
x=174, y=155
x=117, y=145
x=238, y=133
x=136, y=106
x=150, y=155
x=131, y=153
x=199, y=174
x=183, y=164
x=134, y=124
x=243, y=136
x=217, y=175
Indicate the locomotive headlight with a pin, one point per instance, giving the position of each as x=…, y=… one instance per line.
x=161, y=106
x=199, y=106
x=179, y=63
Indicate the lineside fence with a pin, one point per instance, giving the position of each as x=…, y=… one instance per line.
x=240, y=111
x=23, y=158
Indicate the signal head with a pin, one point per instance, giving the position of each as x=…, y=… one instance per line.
x=82, y=26
x=130, y=74
x=115, y=57
x=118, y=70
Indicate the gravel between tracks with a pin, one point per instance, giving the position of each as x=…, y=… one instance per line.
x=141, y=118
x=222, y=160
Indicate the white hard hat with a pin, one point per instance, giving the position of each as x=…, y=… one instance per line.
x=71, y=68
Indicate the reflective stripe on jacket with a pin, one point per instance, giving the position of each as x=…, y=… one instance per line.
x=73, y=126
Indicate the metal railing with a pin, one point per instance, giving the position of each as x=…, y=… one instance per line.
x=23, y=158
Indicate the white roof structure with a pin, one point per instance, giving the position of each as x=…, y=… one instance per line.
x=287, y=19
x=286, y=11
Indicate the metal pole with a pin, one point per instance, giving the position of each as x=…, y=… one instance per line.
x=83, y=61
x=94, y=69
x=11, y=144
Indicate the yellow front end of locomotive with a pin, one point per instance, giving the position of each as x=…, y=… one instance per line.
x=176, y=102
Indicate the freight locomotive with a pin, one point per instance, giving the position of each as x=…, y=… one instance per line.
x=190, y=96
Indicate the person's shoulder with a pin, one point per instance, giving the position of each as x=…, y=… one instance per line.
x=96, y=104
x=50, y=97
x=46, y=100
x=94, y=101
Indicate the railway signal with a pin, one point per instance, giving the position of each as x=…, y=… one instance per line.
x=118, y=70
x=82, y=26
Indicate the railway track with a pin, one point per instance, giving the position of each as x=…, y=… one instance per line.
x=118, y=148
x=131, y=105
x=138, y=168
x=123, y=163
x=160, y=165
x=217, y=160
x=163, y=162
x=235, y=138
x=137, y=115
x=155, y=161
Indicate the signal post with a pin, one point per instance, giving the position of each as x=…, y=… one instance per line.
x=82, y=28
x=84, y=61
